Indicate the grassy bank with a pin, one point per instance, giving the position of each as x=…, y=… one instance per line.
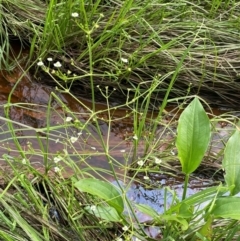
x=132, y=55
x=122, y=44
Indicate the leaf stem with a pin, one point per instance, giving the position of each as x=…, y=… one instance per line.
x=185, y=186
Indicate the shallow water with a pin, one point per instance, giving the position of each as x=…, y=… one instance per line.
x=30, y=102
x=168, y=194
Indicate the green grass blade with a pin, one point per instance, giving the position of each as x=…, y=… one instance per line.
x=29, y=230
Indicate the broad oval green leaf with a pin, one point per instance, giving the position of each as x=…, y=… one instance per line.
x=193, y=136
x=227, y=207
x=231, y=163
x=107, y=213
x=104, y=190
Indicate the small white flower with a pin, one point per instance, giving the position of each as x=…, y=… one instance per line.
x=146, y=177
x=68, y=119
x=57, y=141
x=24, y=161
x=94, y=148
x=93, y=208
x=57, y=159
x=73, y=139
x=122, y=150
x=125, y=228
x=74, y=15
x=124, y=60
x=49, y=59
x=135, y=137
x=40, y=63
x=57, y=64
x=119, y=239
x=157, y=160
x=79, y=133
x=140, y=163
x=56, y=169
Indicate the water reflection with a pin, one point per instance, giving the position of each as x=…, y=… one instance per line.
x=34, y=107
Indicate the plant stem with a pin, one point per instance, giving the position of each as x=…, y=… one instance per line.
x=185, y=186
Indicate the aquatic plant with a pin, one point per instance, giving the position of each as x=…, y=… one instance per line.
x=193, y=137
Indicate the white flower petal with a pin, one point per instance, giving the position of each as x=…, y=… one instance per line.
x=74, y=15
x=57, y=64
x=125, y=228
x=124, y=60
x=73, y=139
x=56, y=169
x=140, y=163
x=157, y=160
x=119, y=239
x=57, y=159
x=135, y=137
x=93, y=208
x=68, y=119
x=40, y=63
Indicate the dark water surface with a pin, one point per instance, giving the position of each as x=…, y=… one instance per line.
x=29, y=105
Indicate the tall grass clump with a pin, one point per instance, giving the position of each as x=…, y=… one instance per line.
x=123, y=44
x=20, y=21
x=132, y=42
